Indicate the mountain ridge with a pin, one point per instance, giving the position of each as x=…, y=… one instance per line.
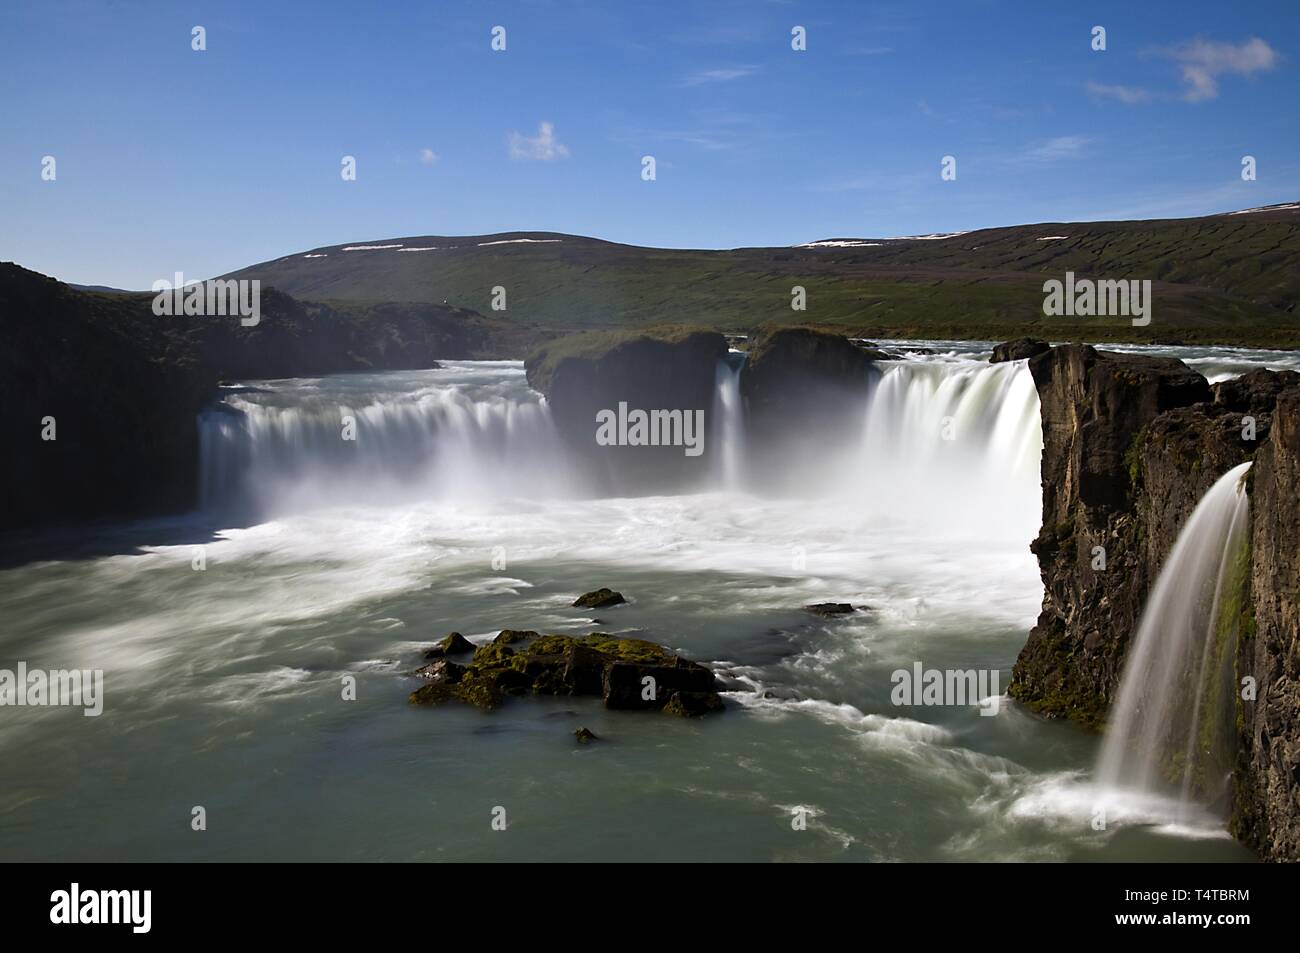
x=1231, y=277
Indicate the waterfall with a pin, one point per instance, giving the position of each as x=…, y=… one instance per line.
x=470, y=430
x=952, y=442
x=1172, y=725
x=729, y=415
x=960, y=442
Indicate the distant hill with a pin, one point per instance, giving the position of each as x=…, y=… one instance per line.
x=1229, y=278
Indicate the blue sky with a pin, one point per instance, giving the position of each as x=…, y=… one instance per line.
x=174, y=160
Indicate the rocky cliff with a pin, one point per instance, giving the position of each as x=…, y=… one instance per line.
x=122, y=386
x=803, y=389
x=1130, y=445
x=672, y=371
x=1267, y=802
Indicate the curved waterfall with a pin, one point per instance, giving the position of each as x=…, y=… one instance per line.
x=470, y=430
x=955, y=440
x=1173, y=721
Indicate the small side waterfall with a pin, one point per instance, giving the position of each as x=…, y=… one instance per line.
x=1173, y=722
x=729, y=414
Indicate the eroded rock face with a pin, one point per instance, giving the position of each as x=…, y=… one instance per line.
x=670, y=371
x=1267, y=791
x=804, y=392
x=627, y=673
x=1095, y=407
x=1131, y=445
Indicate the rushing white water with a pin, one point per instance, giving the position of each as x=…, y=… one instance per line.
x=935, y=439
x=1171, y=725
x=472, y=430
x=957, y=443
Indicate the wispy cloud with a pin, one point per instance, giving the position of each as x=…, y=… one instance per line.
x=1056, y=149
x=428, y=156
x=1132, y=95
x=1205, y=61
x=543, y=147
x=724, y=74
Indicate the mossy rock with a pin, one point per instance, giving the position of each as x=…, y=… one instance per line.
x=453, y=644
x=626, y=673
x=694, y=704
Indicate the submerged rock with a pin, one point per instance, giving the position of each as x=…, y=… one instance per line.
x=627, y=673
x=585, y=736
x=829, y=610
x=599, y=599
x=691, y=704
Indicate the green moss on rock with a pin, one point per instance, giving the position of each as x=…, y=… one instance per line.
x=627, y=673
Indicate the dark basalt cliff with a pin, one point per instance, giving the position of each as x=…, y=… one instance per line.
x=1130, y=446
x=801, y=387
x=657, y=369
x=124, y=385
x=1267, y=802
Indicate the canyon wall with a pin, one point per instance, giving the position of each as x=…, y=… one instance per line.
x=1130, y=445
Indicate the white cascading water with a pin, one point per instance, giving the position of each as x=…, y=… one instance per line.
x=471, y=430
x=1171, y=725
x=729, y=415
x=959, y=442
x=955, y=441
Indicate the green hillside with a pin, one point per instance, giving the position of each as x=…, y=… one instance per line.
x=1232, y=278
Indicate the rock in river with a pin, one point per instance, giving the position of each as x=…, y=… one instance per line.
x=626, y=673
x=599, y=599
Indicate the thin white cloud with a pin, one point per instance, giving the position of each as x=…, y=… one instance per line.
x=1056, y=149
x=1205, y=61
x=723, y=75
x=543, y=147
x=428, y=156
x=1131, y=95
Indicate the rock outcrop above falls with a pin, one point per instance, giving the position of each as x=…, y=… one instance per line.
x=803, y=390
x=1018, y=350
x=1130, y=446
x=672, y=370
